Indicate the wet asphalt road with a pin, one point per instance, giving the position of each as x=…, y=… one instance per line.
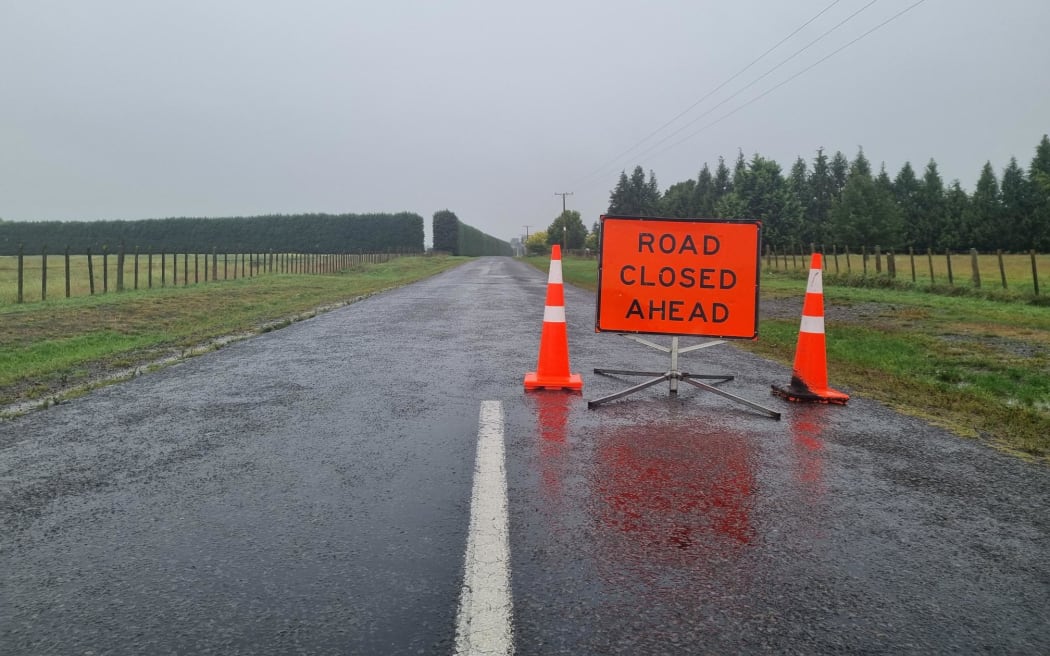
x=308, y=491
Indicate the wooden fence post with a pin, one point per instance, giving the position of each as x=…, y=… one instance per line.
x=929, y=255
x=20, y=298
x=948, y=257
x=214, y=263
x=1002, y=269
x=864, y=260
x=849, y=267
x=891, y=264
x=67, y=271
x=43, y=273
x=835, y=254
x=878, y=259
x=105, y=269
x=163, y=269
x=185, y=268
x=976, y=270
x=1035, y=273
x=911, y=256
x=136, y=267
x=196, y=268
x=120, y=268
x=91, y=273
x=149, y=267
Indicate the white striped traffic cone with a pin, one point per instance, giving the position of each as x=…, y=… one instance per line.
x=809, y=379
x=552, y=367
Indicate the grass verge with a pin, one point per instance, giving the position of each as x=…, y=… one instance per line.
x=48, y=348
x=977, y=366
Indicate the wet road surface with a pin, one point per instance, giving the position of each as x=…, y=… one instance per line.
x=309, y=491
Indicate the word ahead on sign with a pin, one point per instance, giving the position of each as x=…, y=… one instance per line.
x=678, y=276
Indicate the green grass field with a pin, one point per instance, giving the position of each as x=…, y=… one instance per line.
x=46, y=347
x=978, y=366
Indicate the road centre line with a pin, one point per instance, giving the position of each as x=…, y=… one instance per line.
x=483, y=623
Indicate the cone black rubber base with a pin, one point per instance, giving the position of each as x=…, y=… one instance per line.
x=809, y=396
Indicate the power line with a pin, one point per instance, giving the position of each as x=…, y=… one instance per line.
x=796, y=75
x=756, y=80
x=711, y=93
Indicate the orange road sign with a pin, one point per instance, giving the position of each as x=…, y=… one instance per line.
x=678, y=276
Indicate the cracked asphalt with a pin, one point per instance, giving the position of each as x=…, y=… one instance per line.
x=308, y=491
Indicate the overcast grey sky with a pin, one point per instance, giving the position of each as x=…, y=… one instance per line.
x=122, y=109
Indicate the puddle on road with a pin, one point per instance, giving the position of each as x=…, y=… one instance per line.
x=675, y=491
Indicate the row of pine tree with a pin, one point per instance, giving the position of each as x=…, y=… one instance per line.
x=833, y=200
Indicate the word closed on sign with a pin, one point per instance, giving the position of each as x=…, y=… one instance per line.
x=678, y=276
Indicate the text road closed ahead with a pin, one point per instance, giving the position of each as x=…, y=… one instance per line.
x=678, y=276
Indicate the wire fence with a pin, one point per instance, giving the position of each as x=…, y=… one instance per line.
x=1015, y=271
x=27, y=278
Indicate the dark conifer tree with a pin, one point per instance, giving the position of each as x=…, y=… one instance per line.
x=839, y=168
x=723, y=183
x=739, y=169
x=1015, y=225
x=906, y=192
x=618, y=199
x=931, y=207
x=1039, y=181
x=822, y=193
x=679, y=199
x=982, y=219
x=956, y=207
x=799, y=186
x=865, y=214
x=703, y=195
x=635, y=196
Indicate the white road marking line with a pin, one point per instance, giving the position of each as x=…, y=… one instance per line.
x=483, y=624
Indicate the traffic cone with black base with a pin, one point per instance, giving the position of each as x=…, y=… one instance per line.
x=809, y=379
x=552, y=368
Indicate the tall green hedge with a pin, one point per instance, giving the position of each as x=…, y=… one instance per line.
x=446, y=232
x=453, y=236
x=307, y=233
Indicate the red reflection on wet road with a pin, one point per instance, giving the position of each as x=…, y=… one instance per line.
x=552, y=415
x=808, y=448
x=675, y=487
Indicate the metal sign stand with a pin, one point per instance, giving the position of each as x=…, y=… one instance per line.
x=673, y=375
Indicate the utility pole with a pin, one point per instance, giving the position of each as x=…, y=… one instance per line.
x=563, y=194
x=525, y=244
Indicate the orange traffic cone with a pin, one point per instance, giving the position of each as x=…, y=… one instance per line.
x=809, y=380
x=552, y=368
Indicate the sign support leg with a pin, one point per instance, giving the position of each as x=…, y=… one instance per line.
x=673, y=375
x=674, y=365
